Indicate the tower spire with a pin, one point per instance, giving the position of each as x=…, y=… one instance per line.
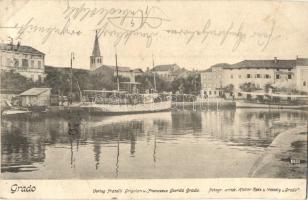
x=96, y=60
x=96, y=50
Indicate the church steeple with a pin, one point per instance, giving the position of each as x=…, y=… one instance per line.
x=96, y=60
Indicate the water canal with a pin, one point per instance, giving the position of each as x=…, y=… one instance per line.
x=177, y=144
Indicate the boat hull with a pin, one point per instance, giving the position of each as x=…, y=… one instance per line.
x=127, y=108
x=241, y=104
x=15, y=113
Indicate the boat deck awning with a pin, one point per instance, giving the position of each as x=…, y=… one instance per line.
x=273, y=94
x=104, y=91
x=130, y=83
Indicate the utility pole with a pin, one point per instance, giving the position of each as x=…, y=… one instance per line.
x=154, y=73
x=71, y=88
x=117, y=70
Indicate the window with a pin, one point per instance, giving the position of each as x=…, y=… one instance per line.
x=231, y=76
x=289, y=76
x=39, y=64
x=277, y=69
x=248, y=75
x=16, y=62
x=304, y=83
x=9, y=62
x=258, y=76
x=32, y=63
x=25, y=62
x=210, y=92
x=267, y=76
x=289, y=69
x=277, y=76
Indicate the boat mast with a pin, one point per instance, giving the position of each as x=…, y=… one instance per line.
x=71, y=85
x=117, y=70
x=153, y=73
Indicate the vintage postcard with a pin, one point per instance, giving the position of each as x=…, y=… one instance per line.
x=153, y=99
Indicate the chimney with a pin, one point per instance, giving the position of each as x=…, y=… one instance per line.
x=17, y=46
x=275, y=60
x=11, y=43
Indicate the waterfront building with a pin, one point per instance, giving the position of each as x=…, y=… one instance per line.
x=301, y=72
x=287, y=74
x=168, y=72
x=278, y=73
x=36, y=97
x=125, y=72
x=211, y=80
x=138, y=72
x=25, y=60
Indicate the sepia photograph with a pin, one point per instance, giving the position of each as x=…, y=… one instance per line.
x=158, y=90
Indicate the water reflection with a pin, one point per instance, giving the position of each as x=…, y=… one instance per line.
x=127, y=146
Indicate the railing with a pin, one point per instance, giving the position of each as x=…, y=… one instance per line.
x=126, y=100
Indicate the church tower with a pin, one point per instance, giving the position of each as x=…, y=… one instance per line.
x=96, y=60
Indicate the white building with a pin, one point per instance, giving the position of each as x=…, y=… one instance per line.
x=279, y=73
x=168, y=72
x=36, y=97
x=301, y=72
x=211, y=80
x=25, y=60
x=288, y=74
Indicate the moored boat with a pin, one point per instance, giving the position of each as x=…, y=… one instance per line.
x=249, y=104
x=121, y=102
x=15, y=113
x=274, y=101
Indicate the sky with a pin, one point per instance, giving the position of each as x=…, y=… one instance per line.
x=193, y=34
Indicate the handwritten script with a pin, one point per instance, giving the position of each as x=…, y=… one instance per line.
x=147, y=24
x=235, y=33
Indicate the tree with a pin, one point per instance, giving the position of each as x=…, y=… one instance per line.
x=147, y=82
x=187, y=85
x=268, y=87
x=15, y=82
x=228, y=88
x=248, y=87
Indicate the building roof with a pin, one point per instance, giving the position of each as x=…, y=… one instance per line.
x=222, y=65
x=165, y=67
x=138, y=70
x=302, y=62
x=279, y=64
x=34, y=91
x=20, y=49
x=96, y=50
x=120, y=68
